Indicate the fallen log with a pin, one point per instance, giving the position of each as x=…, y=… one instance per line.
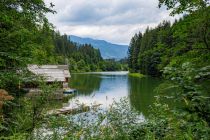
x=72, y=111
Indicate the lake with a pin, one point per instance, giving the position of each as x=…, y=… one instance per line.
x=105, y=87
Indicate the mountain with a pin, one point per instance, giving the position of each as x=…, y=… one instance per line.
x=108, y=50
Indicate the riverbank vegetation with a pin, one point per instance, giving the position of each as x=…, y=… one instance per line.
x=179, y=52
x=138, y=75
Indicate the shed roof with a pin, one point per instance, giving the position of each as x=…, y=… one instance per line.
x=51, y=72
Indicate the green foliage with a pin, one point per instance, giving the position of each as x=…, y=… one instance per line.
x=181, y=54
x=193, y=91
x=25, y=37
x=122, y=122
x=115, y=123
x=190, y=120
x=167, y=123
x=186, y=40
x=138, y=75
x=180, y=6
x=25, y=114
x=133, y=52
x=21, y=24
x=151, y=47
x=112, y=65
x=83, y=58
x=149, y=62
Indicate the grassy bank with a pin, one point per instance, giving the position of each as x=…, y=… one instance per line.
x=138, y=75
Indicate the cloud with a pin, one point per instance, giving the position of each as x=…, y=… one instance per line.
x=115, y=20
x=120, y=34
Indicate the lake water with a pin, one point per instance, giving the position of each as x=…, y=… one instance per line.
x=104, y=87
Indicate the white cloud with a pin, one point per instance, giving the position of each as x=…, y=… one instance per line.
x=120, y=34
x=115, y=21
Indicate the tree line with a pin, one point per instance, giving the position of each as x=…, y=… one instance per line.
x=178, y=52
x=83, y=57
x=187, y=39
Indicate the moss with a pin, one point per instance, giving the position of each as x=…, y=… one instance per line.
x=138, y=75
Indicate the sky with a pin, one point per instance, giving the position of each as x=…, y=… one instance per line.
x=115, y=21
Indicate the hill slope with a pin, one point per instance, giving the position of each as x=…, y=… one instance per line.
x=107, y=49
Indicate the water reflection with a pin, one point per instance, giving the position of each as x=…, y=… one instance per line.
x=86, y=84
x=141, y=92
x=103, y=88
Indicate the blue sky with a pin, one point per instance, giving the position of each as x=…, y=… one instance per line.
x=113, y=20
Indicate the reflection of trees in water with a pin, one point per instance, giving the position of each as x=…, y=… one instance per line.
x=142, y=92
x=114, y=85
x=85, y=83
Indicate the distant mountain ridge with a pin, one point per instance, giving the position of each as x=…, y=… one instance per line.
x=108, y=50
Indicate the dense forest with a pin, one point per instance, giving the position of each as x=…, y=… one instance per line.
x=178, y=52
x=83, y=58
x=186, y=40
x=28, y=38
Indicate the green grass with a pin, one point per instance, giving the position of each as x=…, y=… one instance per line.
x=138, y=75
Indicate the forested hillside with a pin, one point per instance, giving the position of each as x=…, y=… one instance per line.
x=180, y=53
x=186, y=40
x=26, y=37
x=108, y=50
x=83, y=57
x=80, y=58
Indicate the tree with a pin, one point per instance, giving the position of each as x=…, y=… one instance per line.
x=25, y=33
x=130, y=55
x=19, y=25
x=181, y=6
x=133, y=52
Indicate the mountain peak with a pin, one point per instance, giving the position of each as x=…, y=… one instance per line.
x=108, y=50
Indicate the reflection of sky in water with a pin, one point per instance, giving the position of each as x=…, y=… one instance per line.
x=103, y=88
x=112, y=87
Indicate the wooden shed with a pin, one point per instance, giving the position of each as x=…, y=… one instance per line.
x=52, y=73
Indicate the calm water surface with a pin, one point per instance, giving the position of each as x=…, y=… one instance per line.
x=104, y=87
